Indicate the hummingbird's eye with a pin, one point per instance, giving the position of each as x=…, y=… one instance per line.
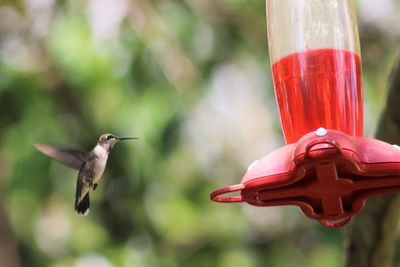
x=109, y=137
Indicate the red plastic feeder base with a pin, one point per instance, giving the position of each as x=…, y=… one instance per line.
x=327, y=173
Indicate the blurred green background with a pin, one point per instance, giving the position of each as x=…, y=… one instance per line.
x=191, y=79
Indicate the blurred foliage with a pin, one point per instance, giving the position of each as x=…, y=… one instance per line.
x=192, y=80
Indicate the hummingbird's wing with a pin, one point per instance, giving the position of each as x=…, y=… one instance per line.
x=71, y=158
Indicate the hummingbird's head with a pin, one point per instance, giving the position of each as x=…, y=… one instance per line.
x=108, y=140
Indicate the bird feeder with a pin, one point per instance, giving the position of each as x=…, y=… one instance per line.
x=327, y=168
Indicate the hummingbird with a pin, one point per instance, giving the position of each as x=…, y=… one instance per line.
x=90, y=165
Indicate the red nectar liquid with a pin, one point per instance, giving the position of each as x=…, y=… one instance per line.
x=319, y=88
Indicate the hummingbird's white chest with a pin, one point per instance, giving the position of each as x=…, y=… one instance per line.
x=100, y=163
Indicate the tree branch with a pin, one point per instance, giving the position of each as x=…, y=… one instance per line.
x=8, y=244
x=372, y=234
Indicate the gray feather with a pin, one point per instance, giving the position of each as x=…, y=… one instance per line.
x=71, y=158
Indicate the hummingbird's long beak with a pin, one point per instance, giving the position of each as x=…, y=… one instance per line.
x=126, y=138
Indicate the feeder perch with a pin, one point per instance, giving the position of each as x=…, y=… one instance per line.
x=328, y=176
x=327, y=168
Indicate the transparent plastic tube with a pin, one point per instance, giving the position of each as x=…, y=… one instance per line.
x=315, y=56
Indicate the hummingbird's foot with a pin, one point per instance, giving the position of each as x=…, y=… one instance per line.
x=94, y=186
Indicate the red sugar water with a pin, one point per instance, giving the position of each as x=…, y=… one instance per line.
x=319, y=88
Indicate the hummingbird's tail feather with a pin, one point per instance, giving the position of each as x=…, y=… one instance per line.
x=81, y=204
